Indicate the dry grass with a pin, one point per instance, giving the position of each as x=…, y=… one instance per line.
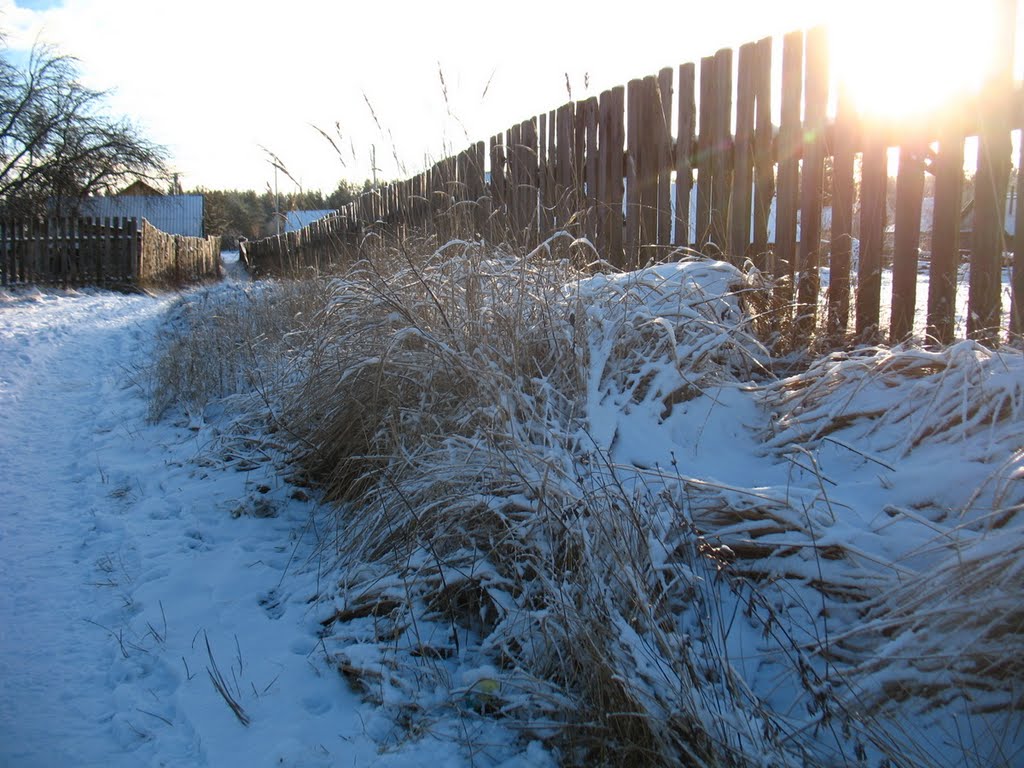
x=486, y=545
x=226, y=340
x=446, y=410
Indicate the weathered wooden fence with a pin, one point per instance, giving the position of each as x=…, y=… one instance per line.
x=175, y=259
x=318, y=246
x=101, y=251
x=682, y=159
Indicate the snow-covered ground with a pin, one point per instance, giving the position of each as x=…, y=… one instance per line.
x=142, y=567
x=134, y=566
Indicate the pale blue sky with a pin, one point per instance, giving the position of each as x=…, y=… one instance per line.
x=215, y=79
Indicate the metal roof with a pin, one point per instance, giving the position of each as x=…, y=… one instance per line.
x=295, y=220
x=174, y=214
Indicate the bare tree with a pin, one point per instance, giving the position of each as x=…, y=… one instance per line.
x=56, y=141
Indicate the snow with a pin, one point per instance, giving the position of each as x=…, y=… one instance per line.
x=125, y=548
x=138, y=561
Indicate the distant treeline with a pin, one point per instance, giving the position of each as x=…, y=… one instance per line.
x=234, y=213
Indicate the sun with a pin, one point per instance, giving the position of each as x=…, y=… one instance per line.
x=903, y=59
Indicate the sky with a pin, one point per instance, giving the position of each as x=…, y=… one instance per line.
x=219, y=82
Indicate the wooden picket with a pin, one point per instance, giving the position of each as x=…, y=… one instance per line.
x=616, y=170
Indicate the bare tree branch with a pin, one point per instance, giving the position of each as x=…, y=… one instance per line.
x=57, y=144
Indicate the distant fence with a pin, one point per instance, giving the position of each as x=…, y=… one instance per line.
x=610, y=169
x=175, y=259
x=317, y=246
x=101, y=251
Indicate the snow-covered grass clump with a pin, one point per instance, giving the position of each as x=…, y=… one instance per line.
x=583, y=505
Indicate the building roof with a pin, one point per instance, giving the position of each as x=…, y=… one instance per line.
x=295, y=220
x=174, y=214
x=140, y=188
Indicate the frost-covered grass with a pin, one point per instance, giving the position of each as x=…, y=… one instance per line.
x=586, y=507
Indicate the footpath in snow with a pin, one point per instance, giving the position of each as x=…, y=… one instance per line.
x=134, y=569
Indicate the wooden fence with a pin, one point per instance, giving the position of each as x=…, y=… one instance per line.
x=626, y=169
x=318, y=247
x=101, y=251
x=175, y=259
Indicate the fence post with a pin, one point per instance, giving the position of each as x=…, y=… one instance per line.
x=647, y=164
x=983, y=304
x=590, y=173
x=742, y=178
x=789, y=167
x=684, y=153
x=612, y=138
x=872, y=226
x=1017, y=276
x=565, y=183
x=815, y=106
x=721, y=143
x=633, y=196
x=909, y=193
x=764, y=170
x=135, y=250
x=842, y=219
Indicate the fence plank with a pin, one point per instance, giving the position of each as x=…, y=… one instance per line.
x=544, y=222
x=476, y=188
x=764, y=162
x=708, y=66
x=14, y=265
x=514, y=137
x=104, y=253
x=842, y=218
x=815, y=107
x=909, y=194
x=647, y=165
x=633, y=194
x=591, y=169
x=616, y=190
x=721, y=165
x=983, y=302
x=63, y=242
x=564, y=186
x=530, y=182
x=872, y=225
x=1017, y=273
x=133, y=249
x=5, y=265
x=949, y=176
x=789, y=165
x=739, y=225
x=603, y=193
x=551, y=194
x=663, y=127
x=684, y=154
x=498, y=219
x=579, y=156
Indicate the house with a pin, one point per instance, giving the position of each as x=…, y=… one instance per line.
x=1009, y=221
x=141, y=189
x=295, y=220
x=174, y=214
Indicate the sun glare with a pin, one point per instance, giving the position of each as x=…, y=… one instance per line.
x=903, y=59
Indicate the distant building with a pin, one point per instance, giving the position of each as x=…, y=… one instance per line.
x=295, y=220
x=142, y=189
x=174, y=214
x=1009, y=220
